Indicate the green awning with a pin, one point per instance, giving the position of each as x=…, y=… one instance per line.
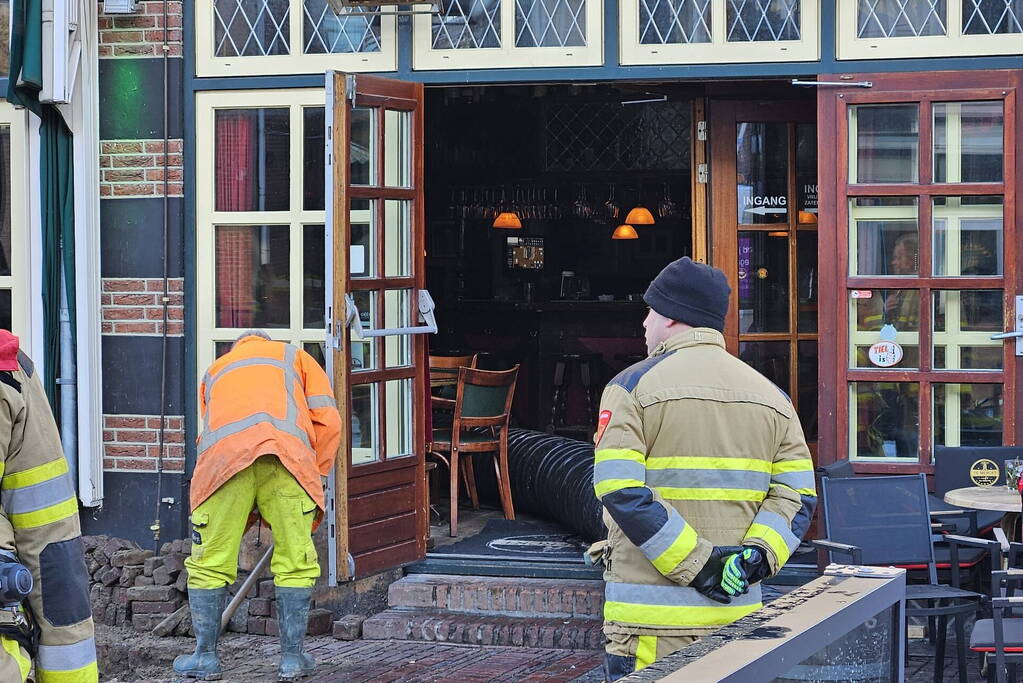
x=56, y=173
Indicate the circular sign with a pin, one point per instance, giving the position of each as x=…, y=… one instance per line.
x=885, y=354
x=538, y=544
x=742, y=273
x=984, y=472
x=762, y=273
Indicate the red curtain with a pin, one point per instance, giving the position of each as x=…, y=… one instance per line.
x=235, y=191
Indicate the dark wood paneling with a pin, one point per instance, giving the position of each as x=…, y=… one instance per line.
x=383, y=532
x=389, y=478
x=386, y=558
x=380, y=505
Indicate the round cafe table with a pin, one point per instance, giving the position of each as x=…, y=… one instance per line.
x=997, y=498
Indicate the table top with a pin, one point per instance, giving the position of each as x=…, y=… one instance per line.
x=995, y=497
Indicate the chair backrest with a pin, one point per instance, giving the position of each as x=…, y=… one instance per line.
x=840, y=469
x=485, y=393
x=887, y=517
x=443, y=369
x=952, y=465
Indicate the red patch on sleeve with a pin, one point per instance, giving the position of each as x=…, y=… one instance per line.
x=602, y=421
x=8, y=351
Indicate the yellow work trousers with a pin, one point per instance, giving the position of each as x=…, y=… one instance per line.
x=219, y=522
x=14, y=661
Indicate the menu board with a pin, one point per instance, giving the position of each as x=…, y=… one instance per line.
x=524, y=253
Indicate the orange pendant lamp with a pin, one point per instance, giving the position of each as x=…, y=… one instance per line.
x=640, y=215
x=509, y=220
x=624, y=232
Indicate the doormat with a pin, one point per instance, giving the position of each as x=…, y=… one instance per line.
x=519, y=539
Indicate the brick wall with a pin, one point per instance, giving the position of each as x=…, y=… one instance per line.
x=133, y=306
x=140, y=34
x=132, y=443
x=134, y=168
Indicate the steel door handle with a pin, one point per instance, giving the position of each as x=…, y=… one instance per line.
x=426, y=315
x=1008, y=335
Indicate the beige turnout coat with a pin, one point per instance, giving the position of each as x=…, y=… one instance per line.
x=694, y=449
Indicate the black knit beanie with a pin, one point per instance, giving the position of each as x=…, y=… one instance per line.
x=692, y=293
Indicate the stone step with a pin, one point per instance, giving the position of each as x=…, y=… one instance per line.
x=512, y=597
x=484, y=629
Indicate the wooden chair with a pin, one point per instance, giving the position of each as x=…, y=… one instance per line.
x=444, y=369
x=480, y=413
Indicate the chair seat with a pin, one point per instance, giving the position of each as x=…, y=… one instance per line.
x=983, y=637
x=442, y=437
x=939, y=592
x=968, y=557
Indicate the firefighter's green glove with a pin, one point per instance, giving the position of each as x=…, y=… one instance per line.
x=743, y=569
x=708, y=581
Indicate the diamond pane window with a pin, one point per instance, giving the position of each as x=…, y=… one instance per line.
x=324, y=32
x=251, y=28
x=550, y=23
x=901, y=18
x=663, y=22
x=763, y=20
x=990, y=17
x=467, y=24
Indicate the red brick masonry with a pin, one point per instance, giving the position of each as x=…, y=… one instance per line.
x=134, y=306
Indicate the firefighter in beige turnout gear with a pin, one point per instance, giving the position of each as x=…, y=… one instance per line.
x=39, y=526
x=700, y=464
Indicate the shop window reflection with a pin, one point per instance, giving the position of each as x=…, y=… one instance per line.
x=873, y=309
x=884, y=143
x=886, y=419
x=252, y=163
x=763, y=282
x=968, y=236
x=884, y=236
x=968, y=139
x=252, y=276
x=963, y=323
x=771, y=359
x=968, y=414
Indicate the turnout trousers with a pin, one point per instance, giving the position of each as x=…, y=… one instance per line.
x=219, y=523
x=625, y=654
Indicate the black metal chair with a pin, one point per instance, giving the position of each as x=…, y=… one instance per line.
x=952, y=467
x=886, y=521
x=1003, y=633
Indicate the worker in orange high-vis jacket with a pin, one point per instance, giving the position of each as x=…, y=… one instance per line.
x=270, y=433
x=45, y=616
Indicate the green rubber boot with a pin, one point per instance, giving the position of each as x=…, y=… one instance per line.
x=292, y=622
x=207, y=606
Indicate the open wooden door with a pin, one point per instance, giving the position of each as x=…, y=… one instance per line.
x=378, y=316
x=920, y=279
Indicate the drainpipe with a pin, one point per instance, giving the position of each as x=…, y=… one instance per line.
x=67, y=384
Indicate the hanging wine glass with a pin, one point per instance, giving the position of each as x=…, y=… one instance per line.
x=581, y=207
x=611, y=207
x=667, y=206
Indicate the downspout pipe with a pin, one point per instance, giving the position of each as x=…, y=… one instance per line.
x=68, y=386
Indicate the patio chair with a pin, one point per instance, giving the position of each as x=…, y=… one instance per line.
x=952, y=471
x=481, y=409
x=1003, y=633
x=886, y=521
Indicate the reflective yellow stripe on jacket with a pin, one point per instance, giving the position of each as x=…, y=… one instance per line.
x=75, y=663
x=673, y=606
x=38, y=496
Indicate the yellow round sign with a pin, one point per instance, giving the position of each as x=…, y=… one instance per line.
x=984, y=472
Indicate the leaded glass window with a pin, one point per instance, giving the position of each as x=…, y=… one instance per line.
x=247, y=28
x=467, y=24
x=901, y=18
x=324, y=32
x=990, y=17
x=762, y=20
x=550, y=23
x=663, y=22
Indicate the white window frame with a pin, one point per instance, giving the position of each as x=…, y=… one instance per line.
x=952, y=44
x=208, y=64
x=425, y=58
x=207, y=103
x=719, y=50
x=19, y=282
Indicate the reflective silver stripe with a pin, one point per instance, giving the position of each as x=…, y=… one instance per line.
x=322, y=401
x=780, y=525
x=291, y=383
x=795, y=480
x=673, y=596
x=657, y=544
x=709, y=479
x=67, y=657
x=618, y=469
x=37, y=496
x=210, y=438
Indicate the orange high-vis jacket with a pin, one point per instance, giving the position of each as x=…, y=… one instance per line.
x=265, y=398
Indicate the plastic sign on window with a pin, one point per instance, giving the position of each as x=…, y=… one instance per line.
x=886, y=353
